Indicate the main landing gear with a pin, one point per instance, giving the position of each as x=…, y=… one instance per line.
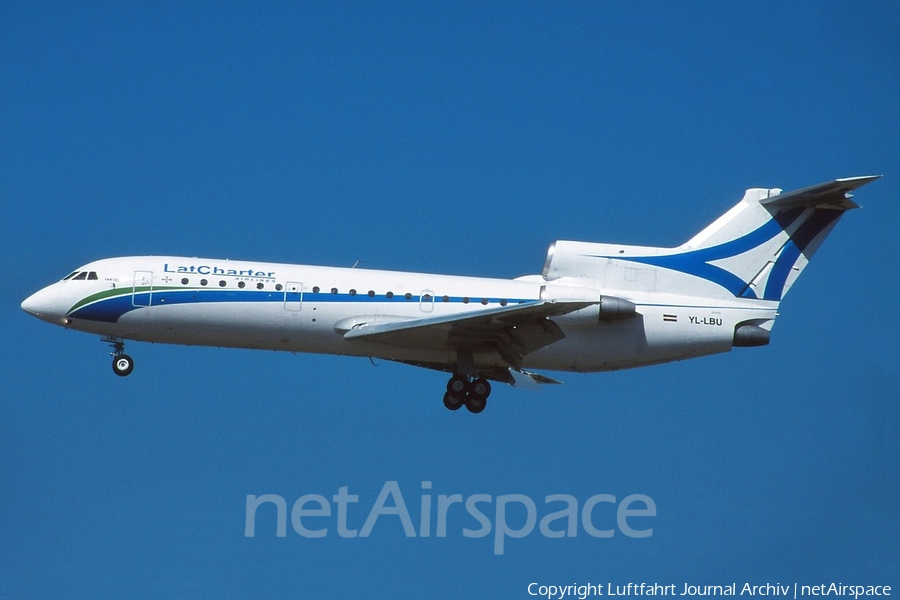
x=122, y=364
x=471, y=392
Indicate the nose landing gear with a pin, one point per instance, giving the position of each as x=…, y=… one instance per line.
x=122, y=364
x=473, y=393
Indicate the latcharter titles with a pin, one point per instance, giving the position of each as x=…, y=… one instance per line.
x=215, y=270
x=794, y=590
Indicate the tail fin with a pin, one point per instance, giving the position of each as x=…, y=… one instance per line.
x=755, y=250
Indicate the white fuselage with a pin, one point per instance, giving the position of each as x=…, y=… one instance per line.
x=301, y=308
x=594, y=307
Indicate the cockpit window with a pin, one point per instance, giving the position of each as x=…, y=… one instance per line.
x=81, y=276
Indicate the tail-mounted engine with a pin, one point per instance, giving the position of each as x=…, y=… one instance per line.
x=605, y=308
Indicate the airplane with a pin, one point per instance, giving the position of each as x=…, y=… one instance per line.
x=594, y=307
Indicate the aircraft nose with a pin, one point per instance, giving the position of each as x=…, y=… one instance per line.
x=40, y=304
x=32, y=304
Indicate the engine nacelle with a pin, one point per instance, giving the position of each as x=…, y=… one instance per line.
x=613, y=309
x=748, y=335
x=606, y=308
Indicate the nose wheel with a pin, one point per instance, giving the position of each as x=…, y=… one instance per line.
x=471, y=393
x=122, y=364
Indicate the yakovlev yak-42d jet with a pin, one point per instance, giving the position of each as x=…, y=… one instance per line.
x=595, y=307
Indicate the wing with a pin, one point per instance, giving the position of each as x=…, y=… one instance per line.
x=511, y=331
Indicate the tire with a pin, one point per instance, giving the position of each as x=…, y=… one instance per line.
x=475, y=404
x=481, y=388
x=123, y=365
x=458, y=386
x=452, y=402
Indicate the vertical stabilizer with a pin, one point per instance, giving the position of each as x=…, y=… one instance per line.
x=760, y=247
x=756, y=250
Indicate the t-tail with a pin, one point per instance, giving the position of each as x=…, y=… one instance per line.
x=754, y=251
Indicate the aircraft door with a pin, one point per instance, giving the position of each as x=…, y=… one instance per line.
x=142, y=291
x=293, y=295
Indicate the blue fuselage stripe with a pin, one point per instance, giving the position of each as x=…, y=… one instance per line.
x=110, y=309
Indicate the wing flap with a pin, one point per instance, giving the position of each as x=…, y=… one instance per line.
x=514, y=377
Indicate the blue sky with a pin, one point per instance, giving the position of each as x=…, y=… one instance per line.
x=460, y=139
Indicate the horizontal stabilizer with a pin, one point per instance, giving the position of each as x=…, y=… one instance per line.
x=832, y=194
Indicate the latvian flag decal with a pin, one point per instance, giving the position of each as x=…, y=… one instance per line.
x=670, y=318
